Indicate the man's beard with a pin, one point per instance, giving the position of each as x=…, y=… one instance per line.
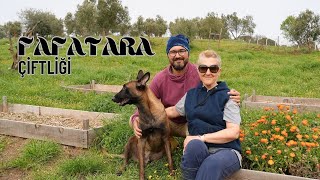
x=180, y=66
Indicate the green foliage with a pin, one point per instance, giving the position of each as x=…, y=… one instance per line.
x=82, y=165
x=282, y=141
x=110, y=15
x=36, y=153
x=151, y=27
x=86, y=19
x=213, y=24
x=12, y=28
x=137, y=28
x=49, y=23
x=2, y=144
x=183, y=26
x=70, y=23
x=239, y=26
x=302, y=29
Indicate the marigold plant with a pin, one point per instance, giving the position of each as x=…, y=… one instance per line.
x=283, y=141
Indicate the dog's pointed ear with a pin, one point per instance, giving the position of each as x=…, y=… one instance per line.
x=143, y=81
x=140, y=74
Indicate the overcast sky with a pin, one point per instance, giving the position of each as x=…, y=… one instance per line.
x=267, y=14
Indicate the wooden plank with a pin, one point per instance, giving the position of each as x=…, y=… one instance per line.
x=66, y=136
x=245, y=174
x=97, y=88
x=22, y=108
x=77, y=114
x=299, y=107
x=92, y=134
x=41, y=110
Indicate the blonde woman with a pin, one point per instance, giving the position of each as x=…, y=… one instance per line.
x=212, y=148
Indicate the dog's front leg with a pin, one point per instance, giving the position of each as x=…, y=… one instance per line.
x=141, y=149
x=168, y=152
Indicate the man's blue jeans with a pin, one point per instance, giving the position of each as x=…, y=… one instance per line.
x=198, y=163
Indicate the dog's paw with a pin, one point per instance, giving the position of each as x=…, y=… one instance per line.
x=172, y=173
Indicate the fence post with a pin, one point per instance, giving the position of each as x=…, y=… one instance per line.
x=92, y=84
x=85, y=124
x=4, y=104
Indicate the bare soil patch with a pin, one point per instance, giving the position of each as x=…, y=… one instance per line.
x=49, y=120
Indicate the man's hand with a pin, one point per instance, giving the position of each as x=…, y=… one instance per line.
x=137, y=131
x=235, y=96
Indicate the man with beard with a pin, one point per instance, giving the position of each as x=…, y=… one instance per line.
x=173, y=82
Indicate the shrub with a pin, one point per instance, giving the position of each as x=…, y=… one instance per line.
x=283, y=141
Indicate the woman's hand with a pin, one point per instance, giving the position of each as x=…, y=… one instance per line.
x=188, y=139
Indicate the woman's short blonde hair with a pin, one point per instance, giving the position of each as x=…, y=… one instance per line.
x=209, y=54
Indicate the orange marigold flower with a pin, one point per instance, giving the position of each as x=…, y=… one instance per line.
x=281, y=138
x=308, y=144
x=278, y=151
x=295, y=111
x=270, y=157
x=270, y=162
x=264, y=132
x=303, y=143
x=248, y=152
x=263, y=140
x=288, y=117
x=273, y=122
x=241, y=139
x=280, y=106
x=305, y=122
x=293, y=128
x=284, y=133
x=277, y=129
x=315, y=137
x=306, y=136
x=315, y=129
x=292, y=155
x=267, y=108
x=256, y=133
x=299, y=136
x=263, y=156
x=318, y=115
x=313, y=144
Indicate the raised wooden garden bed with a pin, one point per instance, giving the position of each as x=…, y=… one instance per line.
x=301, y=104
x=98, y=88
x=65, y=126
x=245, y=174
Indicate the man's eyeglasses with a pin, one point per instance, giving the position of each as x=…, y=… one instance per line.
x=204, y=68
x=174, y=53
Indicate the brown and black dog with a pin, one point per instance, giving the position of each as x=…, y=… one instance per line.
x=154, y=141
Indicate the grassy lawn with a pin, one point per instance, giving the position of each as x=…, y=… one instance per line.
x=273, y=71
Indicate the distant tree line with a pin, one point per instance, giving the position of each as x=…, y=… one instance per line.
x=104, y=17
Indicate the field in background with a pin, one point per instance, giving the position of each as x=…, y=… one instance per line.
x=274, y=71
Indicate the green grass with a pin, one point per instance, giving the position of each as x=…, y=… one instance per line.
x=35, y=154
x=273, y=71
x=2, y=144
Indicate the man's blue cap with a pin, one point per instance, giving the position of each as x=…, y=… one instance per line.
x=178, y=40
